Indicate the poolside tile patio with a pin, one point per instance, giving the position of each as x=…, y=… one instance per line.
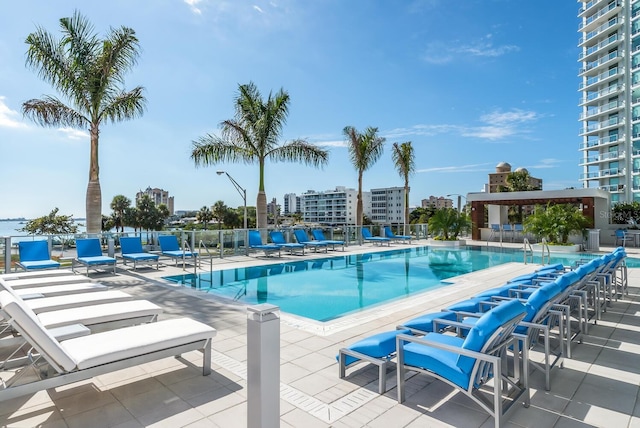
x=599, y=386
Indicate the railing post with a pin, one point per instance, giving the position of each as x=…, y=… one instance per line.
x=7, y=254
x=263, y=366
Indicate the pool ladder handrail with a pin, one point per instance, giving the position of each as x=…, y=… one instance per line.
x=545, y=245
x=210, y=255
x=527, y=250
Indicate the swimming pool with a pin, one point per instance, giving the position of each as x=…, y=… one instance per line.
x=328, y=288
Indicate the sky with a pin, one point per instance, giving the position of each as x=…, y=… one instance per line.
x=471, y=83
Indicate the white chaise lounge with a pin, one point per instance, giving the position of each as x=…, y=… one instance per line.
x=84, y=357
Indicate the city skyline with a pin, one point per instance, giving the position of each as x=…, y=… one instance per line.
x=471, y=84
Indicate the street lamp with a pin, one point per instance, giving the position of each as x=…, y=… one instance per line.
x=241, y=190
x=459, y=199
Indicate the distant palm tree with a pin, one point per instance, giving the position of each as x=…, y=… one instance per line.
x=364, y=150
x=252, y=136
x=119, y=205
x=219, y=211
x=89, y=73
x=204, y=216
x=404, y=160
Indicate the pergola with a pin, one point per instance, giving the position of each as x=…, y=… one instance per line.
x=594, y=204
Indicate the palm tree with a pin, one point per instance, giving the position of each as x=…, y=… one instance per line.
x=119, y=205
x=364, y=150
x=404, y=159
x=219, y=210
x=204, y=216
x=89, y=73
x=252, y=136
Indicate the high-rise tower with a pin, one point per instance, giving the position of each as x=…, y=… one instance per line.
x=610, y=101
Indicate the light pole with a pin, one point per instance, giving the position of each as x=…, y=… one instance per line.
x=459, y=199
x=241, y=190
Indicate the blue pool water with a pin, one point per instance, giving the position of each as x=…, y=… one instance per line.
x=328, y=288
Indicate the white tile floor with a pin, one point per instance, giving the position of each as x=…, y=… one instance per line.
x=598, y=387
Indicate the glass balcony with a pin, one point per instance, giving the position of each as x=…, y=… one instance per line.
x=602, y=77
x=613, y=105
x=595, y=48
x=600, y=61
x=604, y=27
x=594, y=96
x=586, y=24
x=599, y=126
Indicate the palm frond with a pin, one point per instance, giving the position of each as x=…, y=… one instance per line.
x=403, y=158
x=300, y=151
x=210, y=150
x=50, y=111
x=125, y=106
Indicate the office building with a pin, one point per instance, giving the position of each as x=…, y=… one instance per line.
x=437, y=202
x=387, y=205
x=158, y=196
x=333, y=207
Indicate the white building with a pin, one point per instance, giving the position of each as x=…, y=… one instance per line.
x=387, y=205
x=333, y=207
x=291, y=204
x=610, y=101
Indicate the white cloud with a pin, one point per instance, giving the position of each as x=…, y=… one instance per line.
x=457, y=168
x=546, y=163
x=256, y=7
x=9, y=118
x=193, y=5
x=334, y=143
x=442, y=53
x=74, y=134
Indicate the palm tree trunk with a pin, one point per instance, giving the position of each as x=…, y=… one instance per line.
x=359, y=207
x=261, y=210
x=94, y=193
x=406, y=206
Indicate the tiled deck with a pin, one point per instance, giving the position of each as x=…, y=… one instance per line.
x=599, y=386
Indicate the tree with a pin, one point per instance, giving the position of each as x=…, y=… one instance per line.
x=150, y=216
x=204, y=216
x=51, y=224
x=448, y=223
x=219, y=212
x=364, y=150
x=119, y=205
x=403, y=158
x=89, y=73
x=252, y=136
x=556, y=222
x=518, y=181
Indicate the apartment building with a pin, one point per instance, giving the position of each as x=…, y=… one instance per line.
x=158, y=196
x=333, y=207
x=436, y=202
x=292, y=204
x=610, y=97
x=387, y=205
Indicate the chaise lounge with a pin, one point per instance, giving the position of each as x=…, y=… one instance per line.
x=255, y=243
x=84, y=357
x=318, y=235
x=131, y=248
x=90, y=255
x=397, y=238
x=277, y=237
x=169, y=247
x=375, y=240
x=34, y=255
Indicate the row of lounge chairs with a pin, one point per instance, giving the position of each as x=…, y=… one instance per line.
x=34, y=255
x=318, y=243
x=63, y=328
x=467, y=345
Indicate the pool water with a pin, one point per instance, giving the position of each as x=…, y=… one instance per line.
x=328, y=288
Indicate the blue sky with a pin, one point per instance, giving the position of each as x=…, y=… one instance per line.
x=470, y=83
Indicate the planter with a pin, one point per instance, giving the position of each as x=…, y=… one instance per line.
x=452, y=244
x=574, y=248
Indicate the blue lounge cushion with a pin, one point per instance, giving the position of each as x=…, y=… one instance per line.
x=469, y=305
x=97, y=260
x=40, y=264
x=436, y=360
x=379, y=345
x=89, y=247
x=425, y=322
x=140, y=256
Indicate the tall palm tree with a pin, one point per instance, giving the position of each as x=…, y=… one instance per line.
x=119, y=205
x=89, y=73
x=404, y=159
x=364, y=150
x=219, y=210
x=252, y=136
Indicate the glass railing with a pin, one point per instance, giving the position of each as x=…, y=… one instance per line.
x=592, y=49
x=600, y=61
x=210, y=244
x=597, y=15
x=600, y=77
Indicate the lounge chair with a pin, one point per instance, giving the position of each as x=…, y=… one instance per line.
x=132, y=251
x=375, y=240
x=318, y=235
x=398, y=238
x=90, y=255
x=86, y=356
x=468, y=364
x=170, y=247
x=45, y=281
x=34, y=255
x=54, y=290
x=277, y=237
x=255, y=243
x=303, y=238
x=622, y=237
x=48, y=304
x=10, y=276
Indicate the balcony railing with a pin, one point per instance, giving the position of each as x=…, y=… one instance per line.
x=614, y=121
x=592, y=96
x=599, y=30
x=601, y=61
x=601, y=77
x=613, y=105
x=595, y=48
x=613, y=188
x=602, y=157
x=602, y=173
x=598, y=14
x=602, y=141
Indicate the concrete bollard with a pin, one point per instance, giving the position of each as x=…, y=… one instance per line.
x=111, y=247
x=263, y=366
x=7, y=254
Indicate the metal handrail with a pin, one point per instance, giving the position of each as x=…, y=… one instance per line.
x=544, y=246
x=527, y=249
x=202, y=245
